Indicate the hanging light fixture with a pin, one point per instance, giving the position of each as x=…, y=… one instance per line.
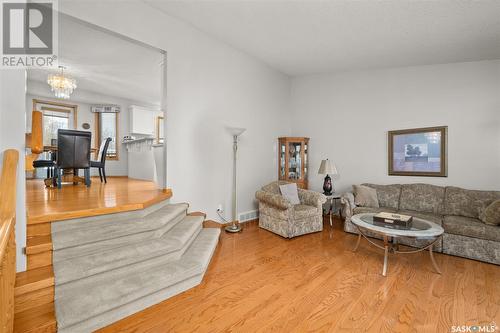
x=61, y=85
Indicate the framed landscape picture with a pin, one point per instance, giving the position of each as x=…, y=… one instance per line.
x=418, y=152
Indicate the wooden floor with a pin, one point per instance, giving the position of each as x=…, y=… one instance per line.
x=119, y=194
x=260, y=282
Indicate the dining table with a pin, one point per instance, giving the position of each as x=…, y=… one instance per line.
x=69, y=176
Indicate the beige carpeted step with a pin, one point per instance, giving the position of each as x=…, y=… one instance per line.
x=170, y=246
x=96, y=235
x=98, y=300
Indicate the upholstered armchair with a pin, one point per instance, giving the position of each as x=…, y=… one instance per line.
x=278, y=215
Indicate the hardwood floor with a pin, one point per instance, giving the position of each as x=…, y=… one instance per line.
x=260, y=282
x=119, y=194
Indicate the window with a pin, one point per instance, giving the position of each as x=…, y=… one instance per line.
x=107, y=127
x=55, y=116
x=52, y=121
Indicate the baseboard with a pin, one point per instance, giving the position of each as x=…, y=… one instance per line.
x=222, y=225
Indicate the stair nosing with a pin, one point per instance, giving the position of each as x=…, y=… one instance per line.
x=26, y=287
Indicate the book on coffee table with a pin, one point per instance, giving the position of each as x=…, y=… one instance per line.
x=393, y=219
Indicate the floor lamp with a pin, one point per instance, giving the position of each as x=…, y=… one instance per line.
x=235, y=132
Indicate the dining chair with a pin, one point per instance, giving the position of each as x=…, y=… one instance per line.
x=101, y=159
x=73, y=152
x=46, y=163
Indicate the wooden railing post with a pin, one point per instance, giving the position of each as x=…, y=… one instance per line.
x=8, y=181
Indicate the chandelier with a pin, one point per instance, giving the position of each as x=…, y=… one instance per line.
x=61, y=85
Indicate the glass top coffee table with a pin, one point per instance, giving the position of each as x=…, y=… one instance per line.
x=420, y=229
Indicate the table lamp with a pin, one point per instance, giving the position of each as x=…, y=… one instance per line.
x=327, y=168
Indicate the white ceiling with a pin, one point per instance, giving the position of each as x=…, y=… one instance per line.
x=309, y=36
x=106, y=64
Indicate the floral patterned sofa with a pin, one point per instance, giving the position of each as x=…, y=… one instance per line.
x=278, y=215
x=457, y=210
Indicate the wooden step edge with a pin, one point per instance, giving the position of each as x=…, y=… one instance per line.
x=33, y=299
x=165, y=194
x=197, y=214
x=33, y=279
x=213, y=224
x=38, y=244
x=33, y=220
x=38, y=319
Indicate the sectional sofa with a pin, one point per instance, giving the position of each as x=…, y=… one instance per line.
x=456, y=209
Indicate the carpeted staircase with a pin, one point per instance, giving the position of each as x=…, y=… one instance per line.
x=111, y=266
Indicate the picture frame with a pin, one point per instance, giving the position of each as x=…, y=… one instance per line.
x=418, y=152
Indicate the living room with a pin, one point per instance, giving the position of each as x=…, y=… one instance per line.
x=353, y=77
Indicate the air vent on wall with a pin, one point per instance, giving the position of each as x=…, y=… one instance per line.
x=100, y=108
x=249, y=216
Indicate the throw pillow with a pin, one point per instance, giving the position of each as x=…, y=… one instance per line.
x=491, y=214
x=290, y=192
x=365, y=196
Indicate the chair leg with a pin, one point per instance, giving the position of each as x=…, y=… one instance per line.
x=75, y=174
x=53, y=175
x=104, y=175
x=100, y=174
x=87, y=177
x=59, y=178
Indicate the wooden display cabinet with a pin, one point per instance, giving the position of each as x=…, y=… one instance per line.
x=293, y=160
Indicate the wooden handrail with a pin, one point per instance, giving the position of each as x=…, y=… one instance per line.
x=8, y=181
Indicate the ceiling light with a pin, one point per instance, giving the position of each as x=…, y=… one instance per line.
x=61, y=85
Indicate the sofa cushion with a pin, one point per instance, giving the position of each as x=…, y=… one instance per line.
x=436, y=218
x=304, y=211
x=388, y=195
x=362, y=210
x=423, y=198
x=470, y=227
x=470, y=203
x=491, y=215
x=365, y=196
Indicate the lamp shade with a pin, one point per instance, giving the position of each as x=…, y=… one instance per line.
x=236, y=131
x=327, y=168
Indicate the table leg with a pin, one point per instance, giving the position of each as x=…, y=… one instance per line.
x=386, y=254
x=431, y=253
x=357, y=243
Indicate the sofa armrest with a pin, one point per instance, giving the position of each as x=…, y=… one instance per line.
x=272, y=199
x=311, y=198
x=347, y=200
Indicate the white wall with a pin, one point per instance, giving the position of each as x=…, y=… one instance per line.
x=12, y=94
x=348, y=115
x=209, y=85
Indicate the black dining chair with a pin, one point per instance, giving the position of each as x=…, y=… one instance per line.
x=101, y=159
x=73, y=152
x=48, y=163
